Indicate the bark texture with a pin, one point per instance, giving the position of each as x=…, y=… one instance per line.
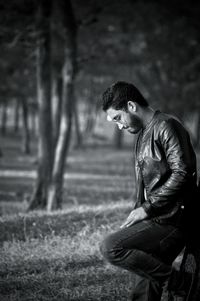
x=26, y=134
x=56, y=74
x=39, y=197
x=55, y=192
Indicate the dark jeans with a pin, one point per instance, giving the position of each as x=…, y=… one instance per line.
x=148, y=249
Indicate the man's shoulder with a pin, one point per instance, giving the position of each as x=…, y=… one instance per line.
x=168, y=125
x=164, y=120
x=162, y=116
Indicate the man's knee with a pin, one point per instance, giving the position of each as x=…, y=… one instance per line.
x=114, y=252
x=109, y=249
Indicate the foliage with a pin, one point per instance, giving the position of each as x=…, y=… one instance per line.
x=154, y=44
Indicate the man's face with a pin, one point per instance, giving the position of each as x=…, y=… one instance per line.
x=125, y=120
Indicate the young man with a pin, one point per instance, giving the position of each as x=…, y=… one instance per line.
x=165, y=163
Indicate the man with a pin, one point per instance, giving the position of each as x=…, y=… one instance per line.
x=165, y=163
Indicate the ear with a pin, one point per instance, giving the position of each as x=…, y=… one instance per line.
x=131, y=106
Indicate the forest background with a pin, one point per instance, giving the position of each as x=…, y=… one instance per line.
x=66, y=175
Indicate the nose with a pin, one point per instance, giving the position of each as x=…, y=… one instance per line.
x=120, y=126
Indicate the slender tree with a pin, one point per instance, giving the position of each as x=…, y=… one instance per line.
x=26, y=133
x=55, y=75
x=68, y=77
x=4, y=116
x=118, y=138
x=45, y=157
x=16, y=115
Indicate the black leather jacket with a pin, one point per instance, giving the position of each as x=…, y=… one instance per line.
x=165, y=165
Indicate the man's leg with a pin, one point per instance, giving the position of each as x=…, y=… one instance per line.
x=145, y=289
x=147, y=249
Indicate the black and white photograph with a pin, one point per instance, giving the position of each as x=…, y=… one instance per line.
x=99, y=150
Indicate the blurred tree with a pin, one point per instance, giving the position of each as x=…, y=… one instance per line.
x=16, y=61
x=56, y=24
x=118, y=138
x=45, y=153
x=16, y=115
x=26, y=135
x=68, y=76
x=4, y=116
x=79, y=139
x=89, y=113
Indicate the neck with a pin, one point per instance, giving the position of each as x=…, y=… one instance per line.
x=148, y=114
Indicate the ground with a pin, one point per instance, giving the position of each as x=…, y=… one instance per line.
x=55, y=256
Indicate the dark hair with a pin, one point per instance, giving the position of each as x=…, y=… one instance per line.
x=118, y=95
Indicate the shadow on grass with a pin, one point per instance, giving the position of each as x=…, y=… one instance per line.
x=89, y=283
x=40, y=266
x=35, y=225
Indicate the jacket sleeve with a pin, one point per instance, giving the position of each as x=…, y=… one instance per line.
x=181, y=159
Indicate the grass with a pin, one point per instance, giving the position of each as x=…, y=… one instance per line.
x=55, y=256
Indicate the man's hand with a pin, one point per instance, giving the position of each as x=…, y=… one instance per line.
x=135, y=216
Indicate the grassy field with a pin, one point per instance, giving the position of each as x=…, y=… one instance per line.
x=56, y=256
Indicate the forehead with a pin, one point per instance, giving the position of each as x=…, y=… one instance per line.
x=112, y=112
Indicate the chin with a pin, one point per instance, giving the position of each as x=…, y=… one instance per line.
x=133, y=131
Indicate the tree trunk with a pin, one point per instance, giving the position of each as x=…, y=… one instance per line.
x=26, y=134
x=4, y=117
x=16, y=115
x=68, y=75
x=198, y=132
x=57, y=53
x=118, y=138
x=39, y=197
x=54, y=141
x=79, y=138
x=33, y=122
x=91, y=112
x=90, y=124
x=33, y=109
x=56, y=106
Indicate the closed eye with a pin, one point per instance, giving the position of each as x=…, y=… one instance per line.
x=117, y=118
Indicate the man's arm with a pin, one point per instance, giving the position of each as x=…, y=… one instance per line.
x=181, y=159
